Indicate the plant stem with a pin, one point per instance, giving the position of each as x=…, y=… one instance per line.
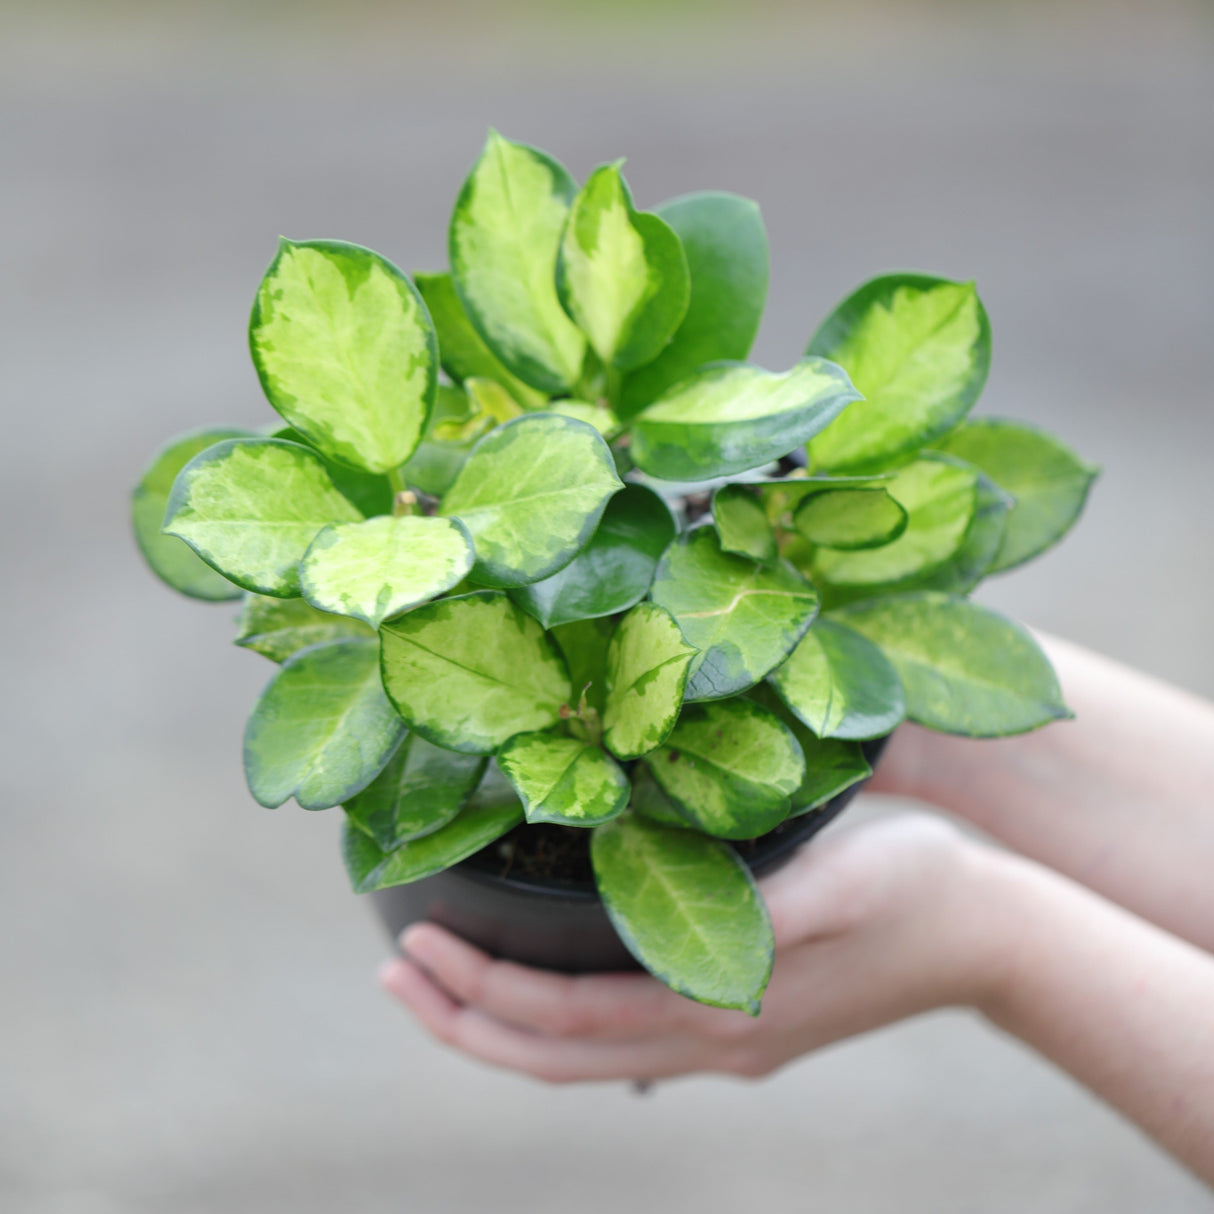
x=396, y=478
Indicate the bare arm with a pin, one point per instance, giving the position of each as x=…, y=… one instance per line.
x=1121, y=799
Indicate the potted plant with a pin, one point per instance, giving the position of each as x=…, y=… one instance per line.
x=583, y=634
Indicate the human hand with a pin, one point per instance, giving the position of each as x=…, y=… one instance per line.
x=872, y=925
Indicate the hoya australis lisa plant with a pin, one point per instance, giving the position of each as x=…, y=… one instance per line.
x=538, y=550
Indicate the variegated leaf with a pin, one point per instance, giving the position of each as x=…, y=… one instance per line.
x=167, y=557
x=730, y=768
x=378, y=568
x=743, y=617
x=251, y=507
x=461, y=349
x=918, y=348
x=726, y=249
x=687, y=909
x=345, y=351
x=503, y=241
x=647, y=668
x=621, y=274
x=531, y=494
x=323, y=728
x=733, y=417
x=277, y=628
x=564, y=780
x=470, y=672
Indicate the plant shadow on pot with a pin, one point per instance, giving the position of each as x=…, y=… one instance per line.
x=560, y=924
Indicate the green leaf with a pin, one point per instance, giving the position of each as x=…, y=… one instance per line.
x=850, y=519
x=470, y=672
x=621, y=273
x=918, y=348
x=726, y=249
x=277, y=628
x=687, y=909
x=345, y=350
x=741, y=523
x=167, y=557
x=1048, y=480
x=433, y=467
x=531, y=494
x=966, y=670
x=421, y=790
x=840, y=684
x=382, y=566
x=323, y=728
x=250, y=508
x=598, y=416
x=478, y=824
x=505, y=233
x=463, y=353
x=614, y=570
x=744, y=618
x=651, y=802
x=731, y=417
x=730, y=768
x=831, y=765
x=370, y=493
x=973, y=559
x=564, y=780
x=583, y=645
x=939, y=498
x=647, y=667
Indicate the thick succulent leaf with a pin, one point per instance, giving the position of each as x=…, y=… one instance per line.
x=850, y=519
x=470, y=672
x=598, y=416
x=277, y=628
x=370, y=493
x=614, y=570
x=939, y=497
x=583, y=645
x=168, y=558
x=323, y=728
x=832, y=765
x=732, y=417
x=687, y=909
x=730, y=768
x=461, y=349
x=726, y=249
x=345, y=350
x=378, y=568
x=840, y=684
x=621, y=273
x=647, y=667
x=743, y=617
x=1048, y=480
x=478, y=824
x=741, y=523
x=966, y=669
x=250, y=508
x=531, y=495
x=422, y=788
x=503, y=241
x=918, y=348
x=564, y=780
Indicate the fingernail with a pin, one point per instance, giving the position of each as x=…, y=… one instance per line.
x=412, y=942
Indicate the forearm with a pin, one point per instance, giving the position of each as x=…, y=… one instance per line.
x=1123, y=1007
x=1121, y=798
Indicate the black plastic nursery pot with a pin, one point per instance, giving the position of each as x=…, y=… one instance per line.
x=557, y=924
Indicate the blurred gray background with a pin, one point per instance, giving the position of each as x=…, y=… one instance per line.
x=188, y=1017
